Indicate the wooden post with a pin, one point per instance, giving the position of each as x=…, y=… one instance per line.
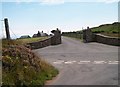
x=7, y=28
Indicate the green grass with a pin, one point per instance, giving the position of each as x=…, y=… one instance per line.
x=77, y=38
x=73, y=35
x=22, y=67
x=111, y=34
x=29, y=40
x=21, y=41
x=108, y=29
x=112, y=30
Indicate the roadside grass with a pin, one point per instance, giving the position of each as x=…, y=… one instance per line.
x=21, y=67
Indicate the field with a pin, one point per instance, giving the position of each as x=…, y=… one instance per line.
x=29, y=40
x=21, y=41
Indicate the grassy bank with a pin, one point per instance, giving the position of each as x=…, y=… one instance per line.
x=22, y=67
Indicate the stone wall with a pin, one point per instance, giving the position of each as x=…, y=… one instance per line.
x=39, y=44
x=88, y=36
x=53, y=40
x=107, y=40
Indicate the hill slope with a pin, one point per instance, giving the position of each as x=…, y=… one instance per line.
x=108, y=29
x=105, y=29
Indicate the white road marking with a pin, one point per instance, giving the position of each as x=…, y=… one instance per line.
x=58, y=62
x=99, y=62
x=85, y=62
x=69, y=62
x=113, y=62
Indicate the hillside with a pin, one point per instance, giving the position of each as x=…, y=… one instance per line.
x=22, y=67
x=108, y=29
x=112, y=30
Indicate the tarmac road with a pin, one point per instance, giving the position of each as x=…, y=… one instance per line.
x=82, y=63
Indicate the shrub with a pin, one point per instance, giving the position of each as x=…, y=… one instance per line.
x=22, y=67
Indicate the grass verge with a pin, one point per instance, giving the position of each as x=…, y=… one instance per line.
x=21, y=67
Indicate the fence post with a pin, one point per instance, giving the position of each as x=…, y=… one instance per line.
x=7, y=28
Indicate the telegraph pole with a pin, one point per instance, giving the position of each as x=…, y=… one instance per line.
x=7, y=28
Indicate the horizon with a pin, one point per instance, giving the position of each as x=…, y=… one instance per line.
x=30, y=17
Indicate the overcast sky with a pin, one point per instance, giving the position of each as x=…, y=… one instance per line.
x=27, y=17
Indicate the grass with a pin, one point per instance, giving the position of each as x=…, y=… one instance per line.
x=74, y=38
x=112, y=30
x=21, y=41
x=73, y=35
x=29, y=40
x=111, y=34
x=21, y=67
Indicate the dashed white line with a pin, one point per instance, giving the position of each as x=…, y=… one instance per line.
x=58, y=62
x=69, y=62
x=99, y=62
x=85, y=62
x=113, y=62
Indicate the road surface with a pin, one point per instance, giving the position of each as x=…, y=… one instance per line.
x=82, y=63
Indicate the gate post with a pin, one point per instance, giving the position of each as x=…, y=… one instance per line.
x=56, y=39
x=87, y=35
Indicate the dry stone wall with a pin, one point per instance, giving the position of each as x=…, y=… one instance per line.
x=88, y=36
x=52, y=40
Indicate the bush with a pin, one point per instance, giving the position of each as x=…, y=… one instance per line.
x=115, y=32
x=22, y=67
